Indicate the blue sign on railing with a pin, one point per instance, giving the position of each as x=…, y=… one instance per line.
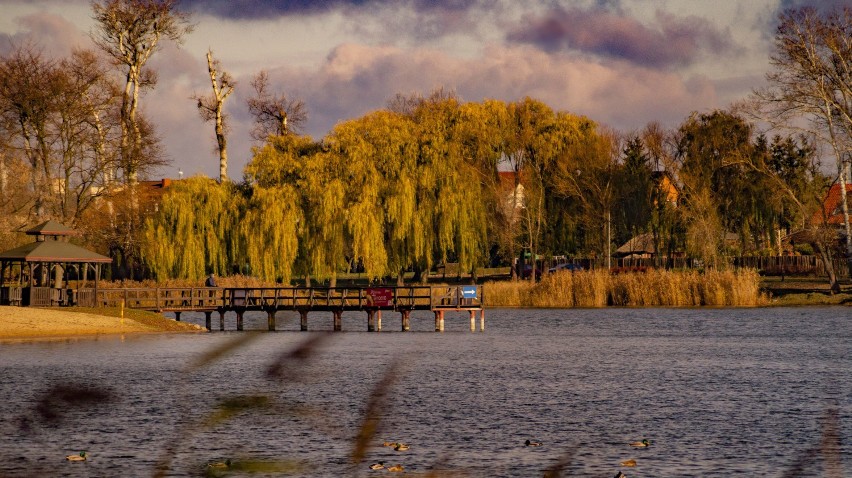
x=468, y=292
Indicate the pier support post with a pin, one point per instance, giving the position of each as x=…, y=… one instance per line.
x=270, y=320
x=378, y=321
x=221, y=320
x=208, y=322
x=177, y=316
x=303, y=320
x=371, y=320
x=338, y=320
x=482, y=320
x=406, y=320
x=439, y=321
x=240, y=319
x=473, y=321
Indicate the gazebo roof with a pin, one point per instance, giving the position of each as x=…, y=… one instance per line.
x=52, y=228
x=52, y=250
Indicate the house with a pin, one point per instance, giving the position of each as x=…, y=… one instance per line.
x=512, y=192
x=638, y=247
x=832, y=210
x=666, y=185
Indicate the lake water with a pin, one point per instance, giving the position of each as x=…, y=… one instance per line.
x=719, y=392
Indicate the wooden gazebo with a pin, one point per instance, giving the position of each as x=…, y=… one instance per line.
x=39, y=273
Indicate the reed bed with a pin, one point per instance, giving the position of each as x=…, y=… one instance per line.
x=653, y=288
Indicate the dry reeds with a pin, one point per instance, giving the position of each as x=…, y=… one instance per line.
x=653, y=288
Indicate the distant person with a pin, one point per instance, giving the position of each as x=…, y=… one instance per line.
x=211, y=280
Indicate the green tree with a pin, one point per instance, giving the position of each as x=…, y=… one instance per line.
x=195, y=230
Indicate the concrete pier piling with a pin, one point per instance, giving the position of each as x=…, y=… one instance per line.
x=338, y=320
x=371, y=320
x=439, y=321
x=406, y=320
x=270, y=320
x=303, y=320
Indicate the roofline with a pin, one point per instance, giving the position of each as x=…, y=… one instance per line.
x=53, y=259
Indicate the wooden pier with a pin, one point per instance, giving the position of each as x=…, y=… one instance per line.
x=370, y=300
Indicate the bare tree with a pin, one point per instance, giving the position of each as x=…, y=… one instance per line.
x=812, y=79
x=28, y=84
x=210, y=108
x=129, y=31
x=274, y=114
x=53, y=115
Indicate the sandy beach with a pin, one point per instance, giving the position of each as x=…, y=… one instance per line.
x=17, y=323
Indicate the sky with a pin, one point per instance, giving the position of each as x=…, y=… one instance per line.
x=621, y=63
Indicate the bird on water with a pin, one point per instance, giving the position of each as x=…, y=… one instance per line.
x=377, y=466
x=401, y=447
x=641, y=444
x=80, y=457
x=629, y=463
x=532, y=443
x=219, y=464
x=396, y=468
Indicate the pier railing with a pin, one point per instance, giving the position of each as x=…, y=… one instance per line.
x=288, y=298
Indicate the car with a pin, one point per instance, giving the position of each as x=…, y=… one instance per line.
x=568, y=266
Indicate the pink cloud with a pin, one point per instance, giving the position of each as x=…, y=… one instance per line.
x=356, y=79
x=55, y=35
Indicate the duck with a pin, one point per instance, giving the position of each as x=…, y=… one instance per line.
x=80, y=457
x=401, y=447
x=219, y=464
x=641, y=444
x=629, y=463
x=377, y=466
x=532, y=443
x=396, y=468
x=620, y=475
x=390, y=443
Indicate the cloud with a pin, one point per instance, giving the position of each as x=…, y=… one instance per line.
x=673, y=41
x=51, y=33
x=356, y=79
x=264, y=9
x=822, y=5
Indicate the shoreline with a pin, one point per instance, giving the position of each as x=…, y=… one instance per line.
x=25, y=324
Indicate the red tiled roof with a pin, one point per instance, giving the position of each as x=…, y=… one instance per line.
x=831, y=209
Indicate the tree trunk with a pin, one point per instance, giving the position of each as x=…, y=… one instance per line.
x=844, y=175
x=834, y=286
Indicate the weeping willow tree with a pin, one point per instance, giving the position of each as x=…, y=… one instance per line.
x=371, y=157
x=450, y=191
x=270, y=232
x=281, y=237
x=192, y=232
